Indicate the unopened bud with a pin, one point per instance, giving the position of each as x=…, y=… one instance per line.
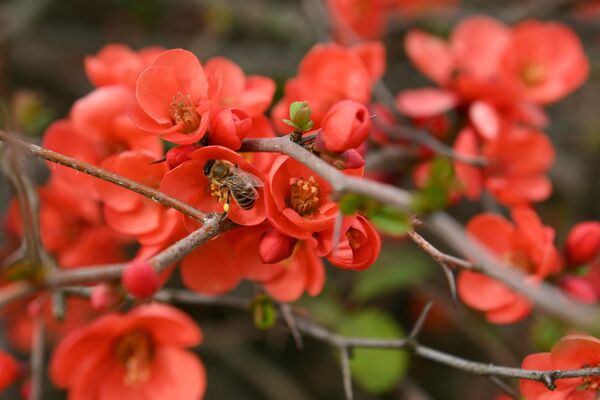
x=579, y=288
x=583, y=243
x=180, y=154
x=140, y=279
x=275, y=247
x=300, y=116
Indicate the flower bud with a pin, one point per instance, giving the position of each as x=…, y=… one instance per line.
x=140, y=279
x=352, y=159
x=105, y=297
x=229, y=127
x=179, y=154
x=345, y=126
x=579, y=288
x=583, y=243
x=275, y=247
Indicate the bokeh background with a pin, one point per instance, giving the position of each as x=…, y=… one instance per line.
x=42, y=46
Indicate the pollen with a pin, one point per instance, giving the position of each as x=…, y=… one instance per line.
x=134, y=351
x=533, y=74
x=354, y=237
x=183, y=112
x=304, y=196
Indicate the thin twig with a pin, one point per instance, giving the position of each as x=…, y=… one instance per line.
x=418, y=326
x=103, y=174
x=346, y=373
x=37, y=358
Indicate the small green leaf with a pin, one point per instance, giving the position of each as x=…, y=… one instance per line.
x=545, y=332
x=263, y=312
x=352, y=203
x=440, y=183
x=390, y=220
x=375, y=370
x=295, y=107
x=291, y=123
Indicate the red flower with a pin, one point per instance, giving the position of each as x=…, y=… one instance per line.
x=229, y=127
x=365, y=18
x=118, y=64
x=211, y=269
x=125, y=211
x=475, y=48
x=583, y=243
x=544, y=62
x=172, y=98
x=298, y=202
x=286, y=280
x=358, y=247
x=330, y=73
x=71, y=227
x=101, y=117
x=517, y=161
x=570, y=352
x=138, y=355
x=527, y=245
x=345, y=126
x=251, y=94
x=188, y=183
x=9, y=370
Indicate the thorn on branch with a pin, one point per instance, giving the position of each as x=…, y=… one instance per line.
x=346, y=373
x=418, y=326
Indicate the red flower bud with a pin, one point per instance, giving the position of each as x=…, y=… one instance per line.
x=229, y=127
x=352, y=159
x=579, y=288
x=105, y=297
x=275, y=247
x=140, y=279
x=345, y=126
x=583, y=243
x=179, y=154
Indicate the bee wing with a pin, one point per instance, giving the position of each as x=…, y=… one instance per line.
x=241, y=186
x=252, y=179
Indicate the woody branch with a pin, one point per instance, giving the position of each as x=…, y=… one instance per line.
x=441, y=224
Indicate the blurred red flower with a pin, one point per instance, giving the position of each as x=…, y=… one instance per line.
x=571, y=352
x=526, y=245
x=138, y=355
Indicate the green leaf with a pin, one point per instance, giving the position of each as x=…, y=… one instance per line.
x=375, y=370
x=545, y=332
x=394, y=270
x=390, y=220
x=291, y=123
x=295, y=107
x=352, y=203
x=263, y=312
x=440, y=183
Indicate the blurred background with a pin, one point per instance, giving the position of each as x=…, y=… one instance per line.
x=42, y=46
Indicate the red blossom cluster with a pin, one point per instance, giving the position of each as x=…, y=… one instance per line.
x=493, y=79
x=202, y=111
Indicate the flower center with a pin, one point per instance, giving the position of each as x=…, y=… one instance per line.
x=533, y=73
x=521, y=261
x=591, y=383
x=354, y=238
x=304, y=196
x=134, y=351
x=183, y=112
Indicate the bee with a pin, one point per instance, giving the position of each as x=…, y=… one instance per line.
x=227, y=180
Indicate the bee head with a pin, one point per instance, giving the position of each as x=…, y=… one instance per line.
x=208, y=166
